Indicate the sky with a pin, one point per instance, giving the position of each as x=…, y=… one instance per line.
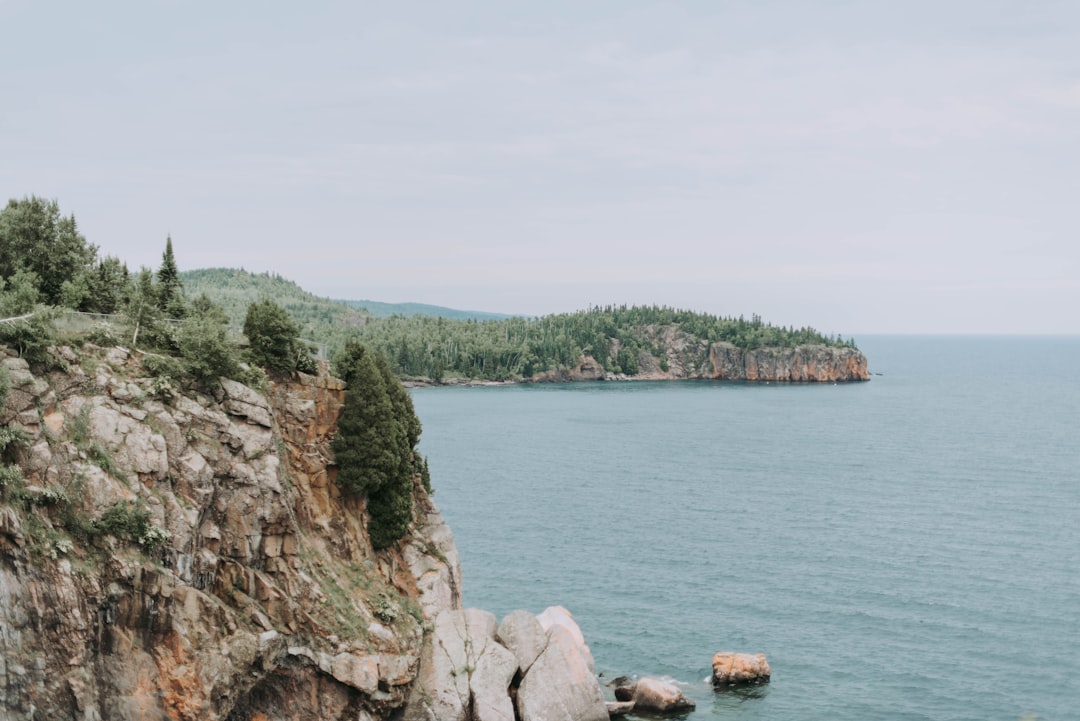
x=859, y=167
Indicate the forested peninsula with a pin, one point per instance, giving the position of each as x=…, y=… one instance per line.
x=600, y=343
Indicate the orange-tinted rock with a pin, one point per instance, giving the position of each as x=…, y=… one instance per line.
x=802, y=364
x=738, y=668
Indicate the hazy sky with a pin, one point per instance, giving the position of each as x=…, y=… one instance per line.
x=856, y=166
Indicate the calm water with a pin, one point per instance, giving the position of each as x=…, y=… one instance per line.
x=906, y=548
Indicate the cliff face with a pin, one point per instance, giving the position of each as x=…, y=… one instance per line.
x=169, y=556
x=681, y=356
x=804, y=364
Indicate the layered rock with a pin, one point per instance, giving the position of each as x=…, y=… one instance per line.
x=243, y=584
x=803, y=364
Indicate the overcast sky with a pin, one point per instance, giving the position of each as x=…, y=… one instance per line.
x=861, y=167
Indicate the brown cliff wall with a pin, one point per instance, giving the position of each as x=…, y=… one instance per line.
x=804, y=364
x=265, y=601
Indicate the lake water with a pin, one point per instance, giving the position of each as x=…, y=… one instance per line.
x=906, y=548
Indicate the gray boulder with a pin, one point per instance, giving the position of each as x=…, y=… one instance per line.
x=560, y=685
x=559, y=616
x=523, y=635
x=464, y=672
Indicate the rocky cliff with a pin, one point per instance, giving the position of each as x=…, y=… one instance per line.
x=168, y=555
x=677, y=355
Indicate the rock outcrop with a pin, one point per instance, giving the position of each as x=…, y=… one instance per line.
x=803, y=364
x=184, y=556
x=471, y=671
x=682, y=356
x=732, y=669
x=464, y=671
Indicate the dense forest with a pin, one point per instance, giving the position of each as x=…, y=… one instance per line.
x=615, y=336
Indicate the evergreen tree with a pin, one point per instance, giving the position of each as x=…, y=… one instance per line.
x=404, y=411
x=35, y=237
x=372, y=447
x=366, y=448
x=271, y=336
x=108, y=286
x=204, y=345
x=169, y=288
x=390, y=510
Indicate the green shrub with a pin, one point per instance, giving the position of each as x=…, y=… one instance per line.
x=10, y=476
x=80, y=426
x=130, y=522
x=99, y=455
x=205, y=347
x=103, y=334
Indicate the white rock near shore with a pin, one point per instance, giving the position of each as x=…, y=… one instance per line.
x=468, y=666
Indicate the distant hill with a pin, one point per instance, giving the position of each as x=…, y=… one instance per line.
x=235, y=289
x=386, y=310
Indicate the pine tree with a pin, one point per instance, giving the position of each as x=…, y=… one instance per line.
x=272, y=336
x=170, y=289
x=373, y=448
x=365, y=447
x=404, y=411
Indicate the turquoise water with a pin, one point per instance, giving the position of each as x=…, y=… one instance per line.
x=906, y=548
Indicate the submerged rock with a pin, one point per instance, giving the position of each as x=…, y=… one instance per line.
x=649, y=694
x=653, y=694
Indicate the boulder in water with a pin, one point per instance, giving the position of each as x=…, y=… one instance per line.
x=730, y=669
x=651, y=694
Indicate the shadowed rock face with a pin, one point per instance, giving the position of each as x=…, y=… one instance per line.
x=263, y=598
